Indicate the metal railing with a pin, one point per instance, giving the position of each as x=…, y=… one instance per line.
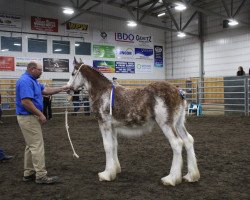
x=223, y=96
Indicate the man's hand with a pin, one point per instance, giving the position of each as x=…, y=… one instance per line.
x=42, y=119
x=65, y=88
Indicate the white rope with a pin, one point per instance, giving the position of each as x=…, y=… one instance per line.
x=66, y=119
x=67, y=129
x=110, y=102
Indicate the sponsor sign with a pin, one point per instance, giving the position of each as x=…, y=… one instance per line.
x=103, y=37
x=143, y=68
x=7, y=63
x=144, y=40
x=10, y=21
x=125, y=37
x=103, y=51
x=124, y=67
x=77, y=28
x=158, y=56
x=22, y=62
x=104, y=66
x=124, y=52
x=44, y=24
x=55, y=65
x=142, y=53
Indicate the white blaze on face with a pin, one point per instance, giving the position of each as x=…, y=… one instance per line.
x=76, y=81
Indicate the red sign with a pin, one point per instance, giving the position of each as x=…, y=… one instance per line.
x=7, y=63
x=44, y=24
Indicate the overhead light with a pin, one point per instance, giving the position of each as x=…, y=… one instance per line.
x=5, y=50
x=181, y=34
x=232, y=22
x=68, y=11
x=161, y=14
x=17, y=44
x=58, y=50
x=132, y=23
x=180, y=7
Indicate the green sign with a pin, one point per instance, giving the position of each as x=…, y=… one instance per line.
x=103, y=51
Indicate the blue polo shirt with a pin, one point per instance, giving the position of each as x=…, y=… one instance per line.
x=28, y=87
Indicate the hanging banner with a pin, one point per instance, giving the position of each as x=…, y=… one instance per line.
x=142, y=53
x=22, y=62
x=143, y=68
x=77, y=28
x=44, y=24
x=134, y=39
x=10, y=21
x=144, y=40
x=55, y=65
x=124, y=67
x=158, y=56
x=103, y=51
x=124, y=52
x=7, y=63
x=104, y=66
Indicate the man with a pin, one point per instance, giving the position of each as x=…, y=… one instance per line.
x=29, y=107
x=3, y=156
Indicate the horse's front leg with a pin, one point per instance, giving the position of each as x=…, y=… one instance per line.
x=110, y=171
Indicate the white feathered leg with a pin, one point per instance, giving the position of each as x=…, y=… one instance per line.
x=176, y=143
x=116, y=160
x=193, y=174
x=110, y=171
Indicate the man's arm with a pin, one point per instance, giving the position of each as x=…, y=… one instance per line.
x=28, y=104
x=51, y=90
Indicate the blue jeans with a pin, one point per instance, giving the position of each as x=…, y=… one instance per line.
x=2, y=155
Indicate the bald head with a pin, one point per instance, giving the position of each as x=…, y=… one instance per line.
x=35, y=69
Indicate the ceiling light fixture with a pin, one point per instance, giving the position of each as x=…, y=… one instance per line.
x=181, y=34
x=180, y=7
x=233, y=22
x=17, y=44
x=77, y=44
x=132, y=23
x=58, y=50
x=68, y=11
x=161, y=14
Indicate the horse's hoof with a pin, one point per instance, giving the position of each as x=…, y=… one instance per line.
x=106, y=176
x=192, y=177
x=169, y=180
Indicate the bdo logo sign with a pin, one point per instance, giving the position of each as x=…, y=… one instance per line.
x=124, y=37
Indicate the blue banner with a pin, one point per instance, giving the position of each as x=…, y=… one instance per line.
x=124, y=67
x=158, y=56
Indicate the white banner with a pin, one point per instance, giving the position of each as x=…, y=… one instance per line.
x=22, y=62
x=10, y=21
x=77, y=28
x=143, y=68
x=124, y=52
x=103, y=37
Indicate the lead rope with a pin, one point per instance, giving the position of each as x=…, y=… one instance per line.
x=66, y=119
x=67, y=129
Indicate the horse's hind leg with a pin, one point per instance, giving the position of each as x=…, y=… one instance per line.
x=116, y=160
x=176, y=143
x=109, y=144
x=193, y=171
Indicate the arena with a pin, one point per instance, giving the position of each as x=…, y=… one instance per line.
x=124, y=99
x=221, y=145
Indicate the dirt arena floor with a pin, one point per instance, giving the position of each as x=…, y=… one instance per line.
x=221, y=144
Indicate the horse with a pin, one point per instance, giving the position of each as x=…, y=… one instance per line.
x=134, y=112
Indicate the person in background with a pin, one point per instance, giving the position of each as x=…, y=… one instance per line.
x=29, y=107
x=3, y=156
x=114, y=81
x=76, y=101
x=240, y=71
x=47, y=111
x=1, y=111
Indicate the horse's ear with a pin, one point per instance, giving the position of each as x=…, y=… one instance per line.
x=81, y=61
x=75, y=61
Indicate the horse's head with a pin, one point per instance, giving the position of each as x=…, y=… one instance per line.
x=76, y=79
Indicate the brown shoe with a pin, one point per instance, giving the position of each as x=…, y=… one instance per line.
x=47, y=180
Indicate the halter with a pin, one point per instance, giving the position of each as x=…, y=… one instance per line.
x=77, y=72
